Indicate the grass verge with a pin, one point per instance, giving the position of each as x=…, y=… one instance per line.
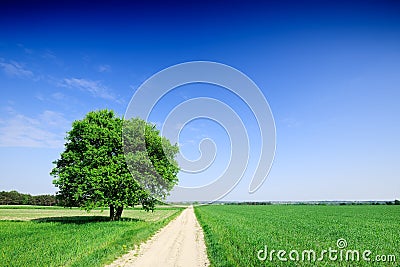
x=75, y=240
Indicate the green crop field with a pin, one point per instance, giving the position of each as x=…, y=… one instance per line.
x=239, y=235
x=72, y=237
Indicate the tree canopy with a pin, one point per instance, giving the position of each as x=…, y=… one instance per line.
x=93, y=171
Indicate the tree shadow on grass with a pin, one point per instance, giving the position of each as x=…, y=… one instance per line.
x=81, y=219
x=12, y=220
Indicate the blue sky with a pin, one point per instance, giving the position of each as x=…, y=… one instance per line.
x=329, y=70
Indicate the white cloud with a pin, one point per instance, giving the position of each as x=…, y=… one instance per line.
x=53, y=119
x=26, y=50
x=15, y=69
x=58, y=96
x=291, y=122
x=95, y=88
x=39, y=96
x=46, y=130
x=104, y=68
x=48, y=54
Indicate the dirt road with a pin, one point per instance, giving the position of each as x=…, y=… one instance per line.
x=180, y=243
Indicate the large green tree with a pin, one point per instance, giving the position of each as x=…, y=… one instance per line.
x=93, y=171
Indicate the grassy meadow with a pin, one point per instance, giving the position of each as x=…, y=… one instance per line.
x=53, y=236
x=235, y=234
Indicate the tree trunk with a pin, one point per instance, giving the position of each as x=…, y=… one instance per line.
x=112, y=212
x=119, y=213
x=115, y=212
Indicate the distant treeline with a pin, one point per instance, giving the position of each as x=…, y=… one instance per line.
x=394, y=202
x=16, y=198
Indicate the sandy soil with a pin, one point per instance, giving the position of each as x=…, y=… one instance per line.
x=180, y=243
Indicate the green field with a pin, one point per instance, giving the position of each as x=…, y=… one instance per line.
x=235, y=234
x=72, y=237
